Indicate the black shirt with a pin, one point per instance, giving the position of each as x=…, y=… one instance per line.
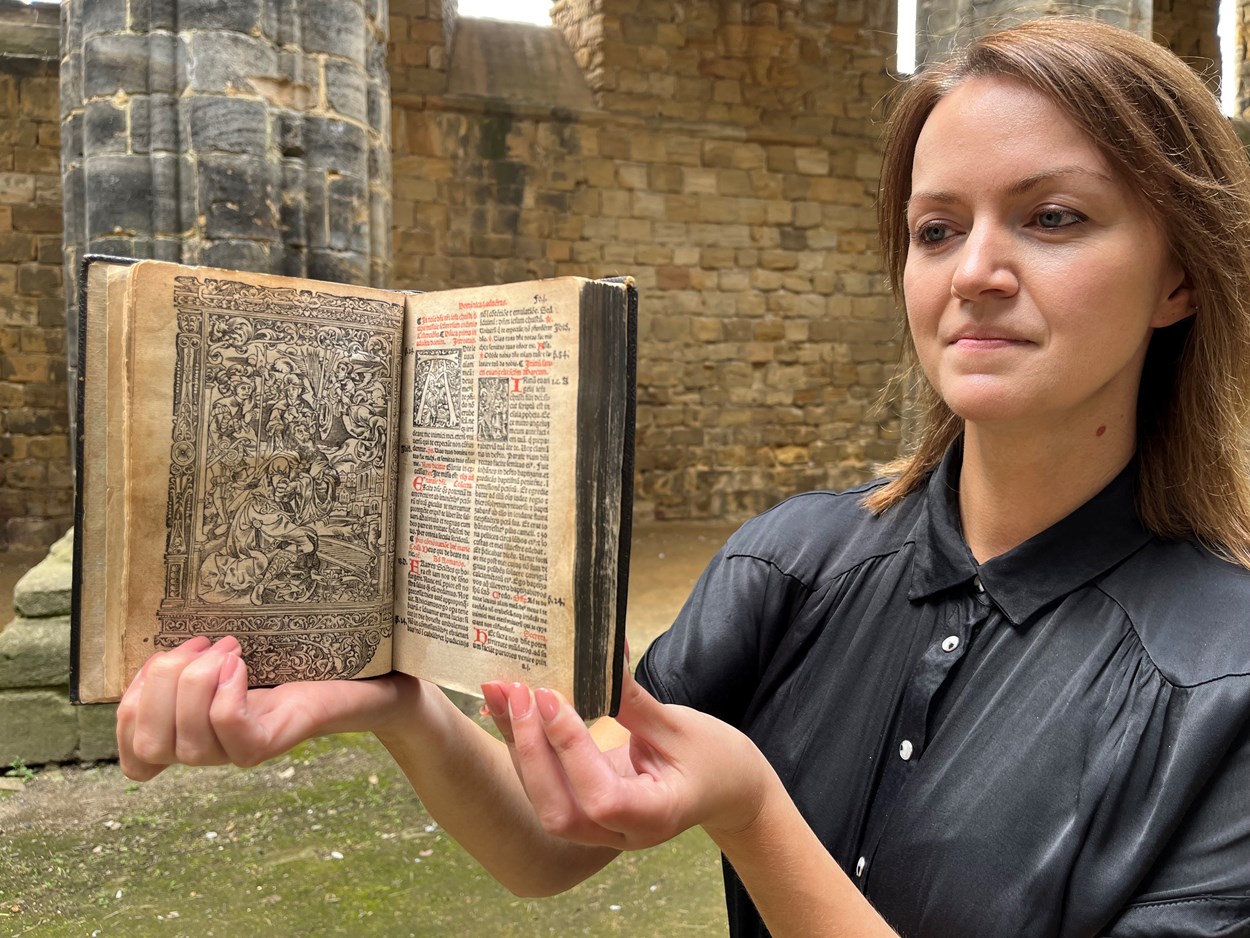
x=1052, y=743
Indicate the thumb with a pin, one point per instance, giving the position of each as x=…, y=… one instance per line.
x=643, y=715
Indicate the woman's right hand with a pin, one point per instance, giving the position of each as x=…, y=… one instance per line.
x=192, y=706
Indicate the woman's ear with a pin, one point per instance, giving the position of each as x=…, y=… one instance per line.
x=1180, y=304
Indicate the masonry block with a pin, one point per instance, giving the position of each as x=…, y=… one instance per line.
x=100, y=17
x=335, y=145
x=34, y=652
x=97, y=732
x=44, y=591
x=237, y=254
x=118, y=196
x=115, y=63
x=226, y=125
x=333, y=26
x=37, y=726
x=218, y=60
x=346, y=91
x=241, y=16
x=238, y=198
x=104, y=128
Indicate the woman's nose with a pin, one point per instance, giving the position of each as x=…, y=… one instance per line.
x=985, y=265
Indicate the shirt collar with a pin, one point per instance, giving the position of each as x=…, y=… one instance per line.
x=1072, y=552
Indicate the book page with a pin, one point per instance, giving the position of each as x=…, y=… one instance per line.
x=102, y=516
x=261, y=469
x=488, y=464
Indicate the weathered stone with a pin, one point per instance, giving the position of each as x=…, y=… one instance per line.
x=97, y=732
x=238, y=197
x=102, y=16
x=347, y=200
x=333, y=26
x=337, y=267
x=226, y=125
x=117, y=190
x=346, y=89
x=34, y=652
x=241, y=16
x=44, y=590
x=237, y=255
x=104, y=128
x=115, y=63
x=335, y=145
x=219, y=60
x=37, y=726
x=162, y=123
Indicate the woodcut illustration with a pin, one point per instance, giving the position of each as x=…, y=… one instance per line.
x=280, y=473
x=492, y=409
x=438, y=392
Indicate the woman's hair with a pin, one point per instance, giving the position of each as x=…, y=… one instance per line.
x=1161, y=129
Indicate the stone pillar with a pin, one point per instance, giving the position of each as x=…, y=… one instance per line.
x=246, y=134
x=942, y=24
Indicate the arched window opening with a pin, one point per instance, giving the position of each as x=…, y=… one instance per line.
x=535, y=12
x=905, y=55
x=1228, y=57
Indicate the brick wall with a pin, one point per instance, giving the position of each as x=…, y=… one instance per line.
x=36, y=489
x=731, y=168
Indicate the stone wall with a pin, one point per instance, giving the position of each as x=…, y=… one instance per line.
x=36, y=493
x=731, y=167
x=943, y=24
x=37, y=722
x=727, y=160
x=1189, y=28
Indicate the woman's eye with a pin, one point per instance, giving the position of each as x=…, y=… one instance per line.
x=932, y=233
x=1057, y=218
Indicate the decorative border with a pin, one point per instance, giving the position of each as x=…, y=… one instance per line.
x=294, y=637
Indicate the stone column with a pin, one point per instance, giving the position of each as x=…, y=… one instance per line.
x=252, y=134
x=942, y=24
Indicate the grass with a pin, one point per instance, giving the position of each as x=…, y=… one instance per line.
x=328, y=840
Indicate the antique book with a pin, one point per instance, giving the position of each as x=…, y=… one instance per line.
x=353, y=481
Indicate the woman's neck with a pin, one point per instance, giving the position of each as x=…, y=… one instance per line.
x=1014, y=485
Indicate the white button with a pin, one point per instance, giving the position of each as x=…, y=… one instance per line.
x=977, y=585
x=904, y=750
x=859, y=866
x=950, y=643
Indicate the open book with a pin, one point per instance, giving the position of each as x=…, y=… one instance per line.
x=353, y=481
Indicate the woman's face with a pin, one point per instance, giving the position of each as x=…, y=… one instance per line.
x=1033, y=277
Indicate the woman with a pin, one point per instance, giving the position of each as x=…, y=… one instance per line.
x=1004, y=692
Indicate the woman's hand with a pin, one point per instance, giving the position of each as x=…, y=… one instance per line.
x=680, y=768
x=192, y=705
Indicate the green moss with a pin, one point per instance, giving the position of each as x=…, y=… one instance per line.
x=326, y=841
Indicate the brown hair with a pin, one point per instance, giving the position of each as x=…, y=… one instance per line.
x=1161, y=129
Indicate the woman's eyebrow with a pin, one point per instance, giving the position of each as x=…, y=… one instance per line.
x=1019, y=187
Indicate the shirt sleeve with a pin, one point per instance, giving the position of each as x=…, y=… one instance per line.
x=1200, y=888
x=714, y=655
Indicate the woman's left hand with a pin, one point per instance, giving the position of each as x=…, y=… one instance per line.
x=680, y=768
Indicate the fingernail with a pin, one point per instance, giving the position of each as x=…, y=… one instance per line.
x=548, y=704
x=496, y=700
x=518, y=700
x=229, y=669
x=199, y=643
x=226, y=643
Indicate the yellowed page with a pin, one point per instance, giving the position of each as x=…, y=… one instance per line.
x=261, y=469
x=101, y=440
x=489, y=473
